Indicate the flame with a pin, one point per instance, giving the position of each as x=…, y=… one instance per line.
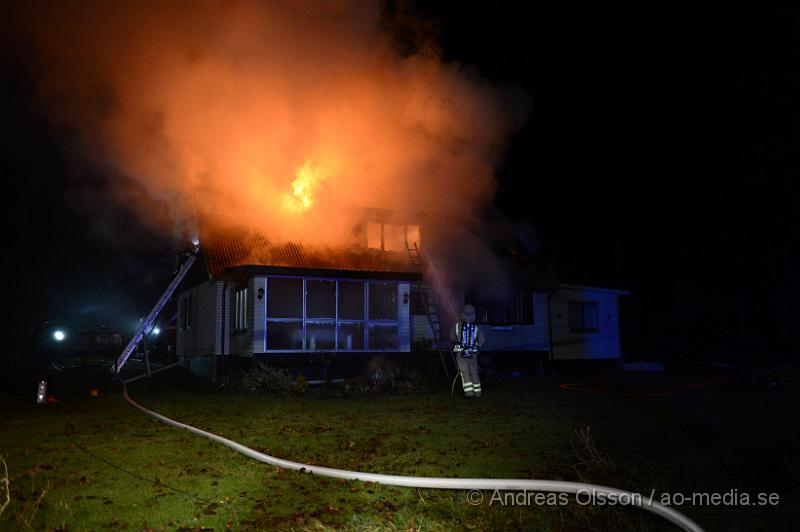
x=307, y=179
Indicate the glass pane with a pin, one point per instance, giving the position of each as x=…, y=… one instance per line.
x=374, y=236
x=320, y=336
x=351, y=301
x=320, y=299
x=383, y=337
x=351, y=336
x=284, y=335
x=394, y=237
x=284, y=298
x=382, y=301
x=590, y=316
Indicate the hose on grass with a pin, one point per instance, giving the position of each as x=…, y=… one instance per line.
x=453, y=387
x=473, y=484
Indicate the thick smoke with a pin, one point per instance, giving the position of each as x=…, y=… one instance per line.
x=217, y=109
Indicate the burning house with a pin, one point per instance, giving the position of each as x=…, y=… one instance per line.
x=250, y=298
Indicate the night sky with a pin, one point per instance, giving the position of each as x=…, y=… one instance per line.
x=660, y=156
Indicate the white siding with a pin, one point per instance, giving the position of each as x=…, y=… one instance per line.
x=200, y=343
x=421, y=327
x=403, y=317
x=257, y=315
x=514, y=338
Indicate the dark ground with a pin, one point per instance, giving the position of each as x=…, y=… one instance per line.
x=98, y=463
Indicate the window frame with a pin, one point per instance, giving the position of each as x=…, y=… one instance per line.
x=241, y=308
x=584, y=305
x=407, y=230
x=365, y=321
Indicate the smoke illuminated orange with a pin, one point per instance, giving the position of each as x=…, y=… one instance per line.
x=251, y=113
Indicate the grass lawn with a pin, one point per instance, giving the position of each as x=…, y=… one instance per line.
x=89, y=463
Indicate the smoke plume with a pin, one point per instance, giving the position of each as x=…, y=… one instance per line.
x=286, y=116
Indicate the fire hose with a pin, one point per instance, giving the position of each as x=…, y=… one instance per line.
x=550, y=486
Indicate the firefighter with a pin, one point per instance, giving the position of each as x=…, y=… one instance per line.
x=467, y=340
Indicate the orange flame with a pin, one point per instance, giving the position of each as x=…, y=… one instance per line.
x=307, y=180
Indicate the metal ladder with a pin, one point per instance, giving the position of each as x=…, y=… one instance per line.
x=150, y=320
x=432, y=313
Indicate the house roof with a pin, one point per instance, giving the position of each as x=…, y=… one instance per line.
x=244, y=247
x=583, y=288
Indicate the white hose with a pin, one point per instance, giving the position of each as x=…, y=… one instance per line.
x=553, y=486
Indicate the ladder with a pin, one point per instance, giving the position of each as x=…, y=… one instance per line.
x=432, y=312
x=149, y=322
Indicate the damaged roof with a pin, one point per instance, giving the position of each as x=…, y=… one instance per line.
x=243, y=247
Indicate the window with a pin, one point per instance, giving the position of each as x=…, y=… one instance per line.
x=284, y=298
x=351, y=301
x=382, y=301
x=583, y=316
x=320, y=336
x=321, y=299
x=382, y=336
x=328, y=314
x=350, y=332
x=240, y=310
x=186, y=312
x=392, y=237
x=351, y=336
x=517, y=309
x=374, y=235
x=284, y=313
x=285, y=335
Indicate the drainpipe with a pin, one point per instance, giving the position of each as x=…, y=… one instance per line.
x=222, y=325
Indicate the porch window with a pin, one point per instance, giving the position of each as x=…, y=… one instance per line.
x=285, y=298
x=328, y=315
x=351, y=301
x=382, y=301
x=321, y=299
x=382, y=336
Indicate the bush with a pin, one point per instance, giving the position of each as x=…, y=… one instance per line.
x=266, y=379
x=300, y=385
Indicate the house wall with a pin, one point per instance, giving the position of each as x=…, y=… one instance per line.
x=257, y=315
x=572, y=345
x=201, y=342
x=521, y=337
x=404, y=317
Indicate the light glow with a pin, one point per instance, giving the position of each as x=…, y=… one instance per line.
x=59, y=336
x=307, y=179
